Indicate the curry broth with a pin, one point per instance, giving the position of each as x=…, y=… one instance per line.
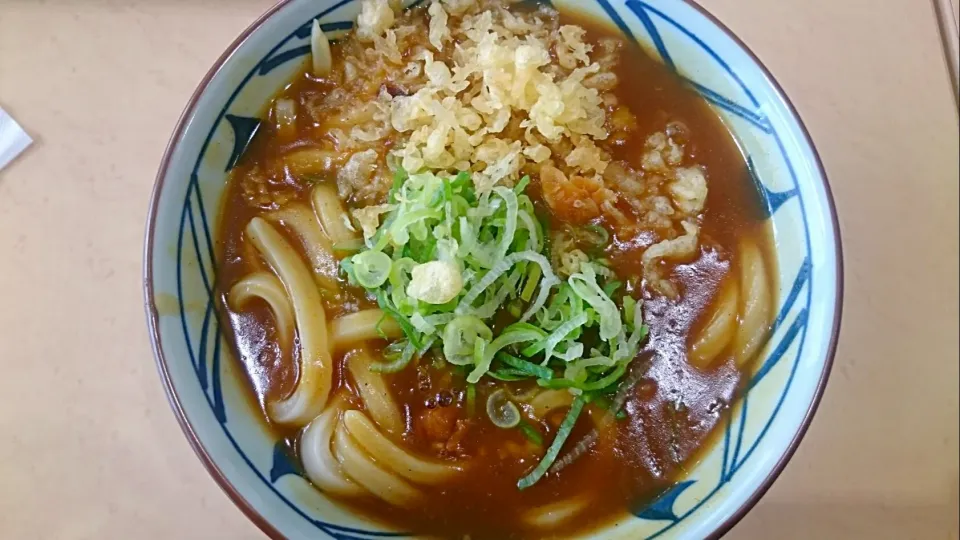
x=670, y=414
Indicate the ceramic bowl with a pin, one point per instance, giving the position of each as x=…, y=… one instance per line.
x=207, y=389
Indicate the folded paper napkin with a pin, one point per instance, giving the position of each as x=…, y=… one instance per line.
x=13, y=139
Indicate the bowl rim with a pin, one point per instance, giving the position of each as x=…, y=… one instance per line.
x=152, y=313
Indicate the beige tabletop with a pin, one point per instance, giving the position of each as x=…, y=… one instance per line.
x=90, y=448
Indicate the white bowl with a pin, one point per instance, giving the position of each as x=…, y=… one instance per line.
x=207, y=390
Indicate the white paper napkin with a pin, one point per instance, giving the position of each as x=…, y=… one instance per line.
x=13, y=139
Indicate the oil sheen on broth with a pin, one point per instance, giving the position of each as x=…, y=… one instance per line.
x=684, y=377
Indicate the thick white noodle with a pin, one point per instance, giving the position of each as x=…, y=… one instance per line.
x=375, y=394
x=316, y=367
x=285, y=115
x=550, y=400
x=716, y=333
x=556, y=514
x=308, y=161
x=755, y=305
x=333, y=217
x=267, y=287
x=391, y=456
x=321, y=466
x=361, y=326
x=320, y=50
x=364, y=471
x=304, y=225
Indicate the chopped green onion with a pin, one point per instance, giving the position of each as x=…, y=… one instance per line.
x=531, y=433
x=510, y=223
x=598, y=384
x=508, y=375
x=501, y=268
x=426, y=346
x=513, y=334
x=502, y=412
x=606, y=380
x=600, y=235
x=611, y=288
x=629, y=305
x=604, y=402
x=533, y=277
x=460, y=336
x=499, y=245
x=396, y=365
x=422, y=324
x=371, y=268
x=557, y=384
x=379, y=327
x=524, y=366
x=347, y=267
x=522, y=184
x=400, y=229
x=479, y=349
x=515, y=309
x=403, y=321
x=599, y=400
x=574, y=351
x=471, y=404
x=577, y=369
x=399, y=177
x=566, y=427
x=555, y=337
x=535, y=241
x=644, y=330
x=584, y=284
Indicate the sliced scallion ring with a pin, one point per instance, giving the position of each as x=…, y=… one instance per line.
x=371, y=268
x=502, y=412
x=460, y=337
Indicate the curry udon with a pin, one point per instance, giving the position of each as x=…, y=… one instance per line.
x=491, y=270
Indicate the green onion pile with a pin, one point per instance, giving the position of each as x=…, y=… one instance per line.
x=446, y=262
